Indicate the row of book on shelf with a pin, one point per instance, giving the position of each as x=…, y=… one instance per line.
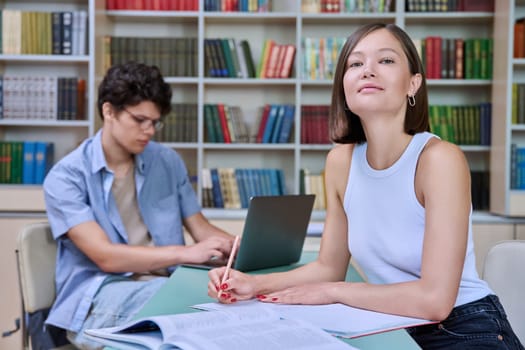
x=191, y=5
x=173, y=56
x=229, y=58
x=518, y=103
x=238, y=5
x=335, y=6
x=43, y=33
x=232, y=58
x=449, y=5
x=320, y=56
x=456, y=58
x=153, y=5
x=25, y=162
x=462, y=125
x=42, y=97
x=225, y=124
x=180, y=125
x=232, y=188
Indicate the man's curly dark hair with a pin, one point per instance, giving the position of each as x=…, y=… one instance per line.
x=130, y=83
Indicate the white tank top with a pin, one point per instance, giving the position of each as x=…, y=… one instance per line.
x=386, y=222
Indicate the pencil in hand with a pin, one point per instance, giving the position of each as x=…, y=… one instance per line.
x=230, y=262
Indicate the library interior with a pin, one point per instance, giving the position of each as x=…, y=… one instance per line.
x=252, y=84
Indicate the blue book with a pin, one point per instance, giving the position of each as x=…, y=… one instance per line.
x=286, y=127
x=276, y=132
x=216, y=189
x=241, y=184
x=28, y=165
x=270, y=123
x=43, y=160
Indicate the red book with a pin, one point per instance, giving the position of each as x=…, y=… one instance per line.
x=262, y=124
x=519, y=38
x=437, y=57
x=111, y=4
x=224, y=123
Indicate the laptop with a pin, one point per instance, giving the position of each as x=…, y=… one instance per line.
x=274, y=232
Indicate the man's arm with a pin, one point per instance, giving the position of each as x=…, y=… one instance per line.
x=117, y=258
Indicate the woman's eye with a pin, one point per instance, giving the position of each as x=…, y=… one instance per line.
x=354, y=64
x=387, y=60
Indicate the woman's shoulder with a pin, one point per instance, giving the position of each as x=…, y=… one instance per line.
x=440, y=153
x=340, y=156
x=340, y=150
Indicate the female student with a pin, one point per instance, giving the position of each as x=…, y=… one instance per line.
x=398, y=202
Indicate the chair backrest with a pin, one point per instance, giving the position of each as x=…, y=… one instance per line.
x=36, y=251
x=503, y=271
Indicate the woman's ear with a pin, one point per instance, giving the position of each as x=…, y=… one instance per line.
x=415, y=84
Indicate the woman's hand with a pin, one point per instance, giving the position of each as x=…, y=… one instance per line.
x=238, y=286
x=307, y=294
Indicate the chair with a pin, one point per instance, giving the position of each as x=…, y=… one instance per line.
x=36, y=253
x=503, y=271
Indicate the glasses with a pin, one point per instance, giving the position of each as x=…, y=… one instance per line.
x=145, y=123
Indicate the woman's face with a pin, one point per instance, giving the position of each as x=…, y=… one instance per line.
x=377, y=77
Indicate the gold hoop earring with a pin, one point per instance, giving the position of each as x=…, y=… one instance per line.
x=411, y=101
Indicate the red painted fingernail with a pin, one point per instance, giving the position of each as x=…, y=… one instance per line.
x=217, y=288
x=224, y=286
x=233, y=300
x=274, y=299
x=225, y=295
x=260, y=296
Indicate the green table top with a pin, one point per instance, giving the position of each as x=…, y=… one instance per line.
x=188, y=286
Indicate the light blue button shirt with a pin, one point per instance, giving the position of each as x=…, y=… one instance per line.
x=78, y=190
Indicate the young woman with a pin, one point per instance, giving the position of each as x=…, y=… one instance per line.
x=398, y=202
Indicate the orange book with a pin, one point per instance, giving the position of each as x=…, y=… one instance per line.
x=267, y=48
x=459, y=71
x=273, y=60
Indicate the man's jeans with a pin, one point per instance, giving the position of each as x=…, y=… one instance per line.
x=116, y=302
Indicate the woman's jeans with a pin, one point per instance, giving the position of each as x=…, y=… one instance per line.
x=481, y=324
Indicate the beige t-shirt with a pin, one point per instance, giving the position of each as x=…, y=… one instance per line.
x=125, y=197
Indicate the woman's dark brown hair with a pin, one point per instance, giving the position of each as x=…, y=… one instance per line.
x=345, y=126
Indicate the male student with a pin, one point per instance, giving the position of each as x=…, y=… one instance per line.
x=116, y=206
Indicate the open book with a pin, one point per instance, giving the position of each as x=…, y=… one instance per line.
x=215, y=330
x=337, y=319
